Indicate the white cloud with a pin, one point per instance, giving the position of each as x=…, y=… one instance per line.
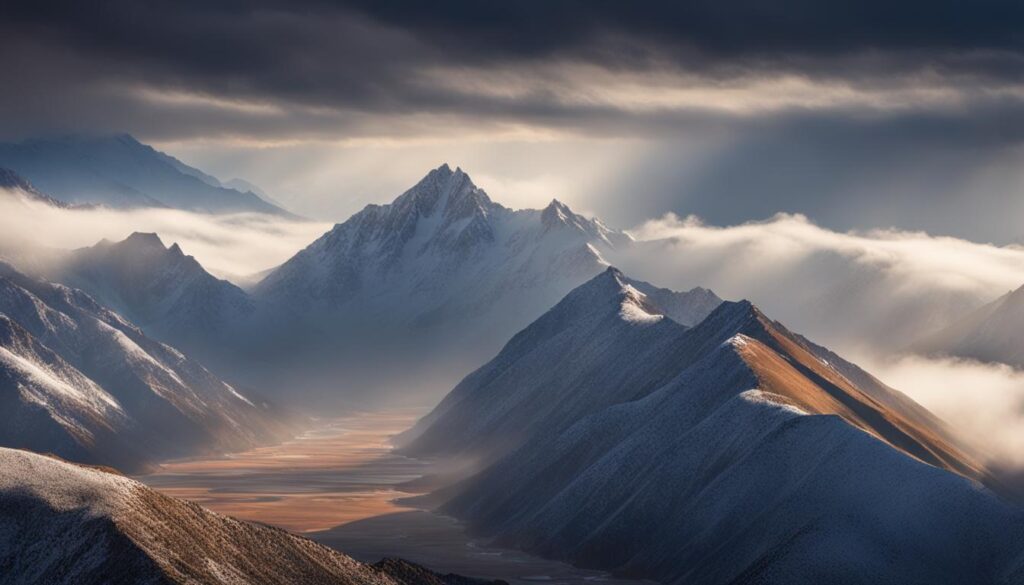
x=876, y=290
x=229, y=246
x=984, y=402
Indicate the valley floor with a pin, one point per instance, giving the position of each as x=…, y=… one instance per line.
x=338, y=483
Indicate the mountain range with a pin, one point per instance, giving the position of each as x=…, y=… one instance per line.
x=992, y=333
x=79, y=380
x=733, y=451
x=120, y=172
x=436, y=280
x=65, y=524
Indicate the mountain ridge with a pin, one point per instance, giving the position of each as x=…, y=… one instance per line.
x=121, y=172
x=71, y=524
x=102, y=391
x=748, y=455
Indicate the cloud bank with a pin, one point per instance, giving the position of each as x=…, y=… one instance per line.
x=984, y=403
x=231, y=246
x=876, y=291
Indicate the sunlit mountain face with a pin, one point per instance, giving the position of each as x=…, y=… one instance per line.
x=463, y=293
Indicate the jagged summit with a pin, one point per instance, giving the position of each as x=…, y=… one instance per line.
x=147, y=239
x=165, y=291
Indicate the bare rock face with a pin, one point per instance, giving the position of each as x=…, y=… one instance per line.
x=66, y=524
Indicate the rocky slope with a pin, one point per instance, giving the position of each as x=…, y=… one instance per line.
x=65, y=524
x=79, y=380
x=748, y=455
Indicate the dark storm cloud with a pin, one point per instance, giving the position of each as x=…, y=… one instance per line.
x=952, y=173
x=714, y=31
x=319, y=58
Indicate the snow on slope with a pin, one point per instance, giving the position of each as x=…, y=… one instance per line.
x=86, y=372
x=750, y=455
x=438, y=278
x=993, y=333
x=442, y=249
x=160, y=289
x=579, y=357
x=65, y=524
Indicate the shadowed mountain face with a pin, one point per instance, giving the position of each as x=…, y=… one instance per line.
x=66, y=524
x=119, y=171
x=993, y=333
x=78, y=380
x=732, y=451
x=12, y=182
x=168, y=294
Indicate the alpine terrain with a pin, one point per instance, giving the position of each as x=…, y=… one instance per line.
x=160, y=289
x=733, y=451
x=78, y=380
x=436, y=279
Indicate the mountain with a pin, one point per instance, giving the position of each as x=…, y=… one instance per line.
x=578, y=358
x=734, y=451
x=78, y=380
x=14, y=183
x=246, y=187
x=67, y=524
x=165, y=292
x=439, y=277
x=993, y=333
x=119, y=171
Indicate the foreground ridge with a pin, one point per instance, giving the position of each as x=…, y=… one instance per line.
x=68, y=524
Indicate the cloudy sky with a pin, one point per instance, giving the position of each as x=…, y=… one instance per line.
x=858, y=115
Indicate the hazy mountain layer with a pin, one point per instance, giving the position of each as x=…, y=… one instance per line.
x=993, y=333
x=748, y=455
x=168, y=294
x=119, y=171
